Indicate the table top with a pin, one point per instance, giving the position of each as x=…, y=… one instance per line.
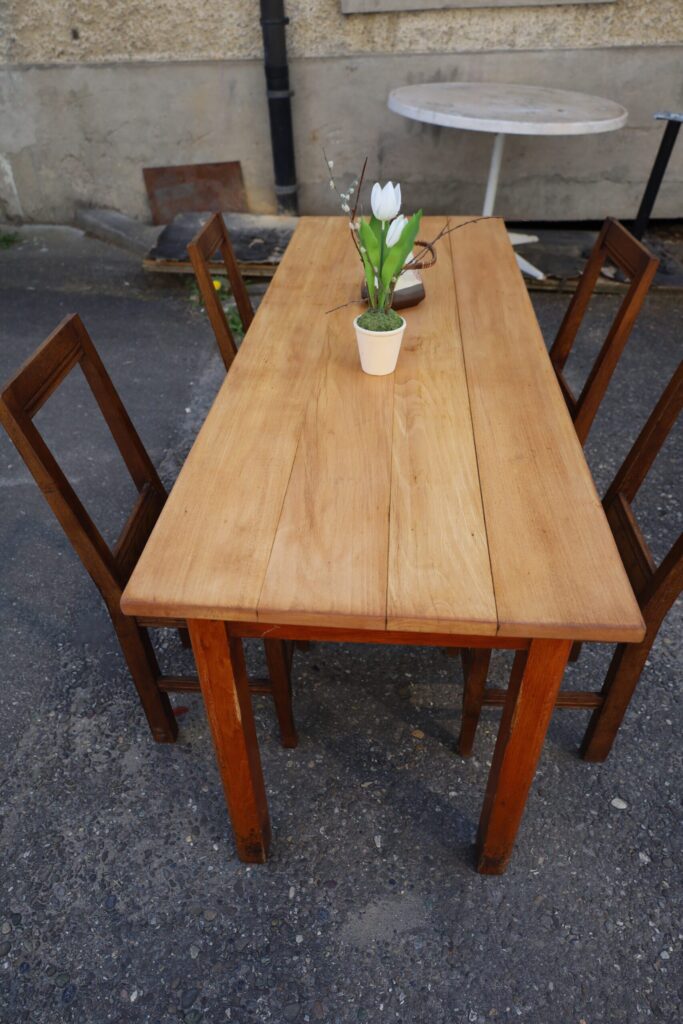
x=510, y=109
x=451, y=496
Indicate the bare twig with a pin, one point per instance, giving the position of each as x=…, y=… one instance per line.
x=344, y=200
x=351, y=302
x=330, y=176
x=355, y=207
x=445, y=230
x=360, y=185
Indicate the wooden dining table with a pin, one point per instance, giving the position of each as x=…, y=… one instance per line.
x=448, y=504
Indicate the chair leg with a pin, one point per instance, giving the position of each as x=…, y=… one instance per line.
x=620, y=683
x=575, y=652
x=144, y=668
x=475, y=669
x=280, y=678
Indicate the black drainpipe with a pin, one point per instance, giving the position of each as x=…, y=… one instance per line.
x=273, y=23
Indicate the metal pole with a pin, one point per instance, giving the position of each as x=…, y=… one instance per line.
x=656, y=174
x=494, y=174
x=273, y=22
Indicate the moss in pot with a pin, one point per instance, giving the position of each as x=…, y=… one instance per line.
x=379, y=333
x=380, y=320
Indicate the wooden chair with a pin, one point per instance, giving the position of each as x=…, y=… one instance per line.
x=630, y=256
x=213, y=238
x=110, y=568
x=616, y=244
x=655, y=586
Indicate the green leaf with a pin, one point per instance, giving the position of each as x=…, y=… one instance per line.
x=369, y=278
x=369, y=242
x=376, y=228
x=397, y=255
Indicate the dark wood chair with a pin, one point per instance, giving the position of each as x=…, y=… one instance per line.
x=110, y=568
x=656, y=587
x=616, y=245
x=212, y=239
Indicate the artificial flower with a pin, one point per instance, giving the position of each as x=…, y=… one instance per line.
x=395, y=230
x=385, y=202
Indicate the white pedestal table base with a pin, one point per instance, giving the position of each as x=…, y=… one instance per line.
x=490, y=201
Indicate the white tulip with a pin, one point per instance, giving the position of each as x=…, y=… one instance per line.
x=396, y=230
x=385, y=202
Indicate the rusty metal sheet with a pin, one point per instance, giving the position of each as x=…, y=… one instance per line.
x=190, y=187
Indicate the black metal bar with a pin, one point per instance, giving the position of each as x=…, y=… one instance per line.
x=273, y=22
x=655, y=180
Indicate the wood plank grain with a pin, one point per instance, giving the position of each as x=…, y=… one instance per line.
x=556, y=570
x=329, y=560
x=281, y=512
x=439, y=571
x=208, y=554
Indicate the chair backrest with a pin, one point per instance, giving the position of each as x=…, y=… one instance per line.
x=69, y=346
x=211, y=239
x=616, y=244
x=655, y=586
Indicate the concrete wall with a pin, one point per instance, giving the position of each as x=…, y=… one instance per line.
x=80, y=117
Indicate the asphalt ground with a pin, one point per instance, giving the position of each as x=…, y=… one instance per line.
x=121, y=897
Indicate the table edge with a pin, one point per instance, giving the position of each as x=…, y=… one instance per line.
x=501, y=127
x=633, y=632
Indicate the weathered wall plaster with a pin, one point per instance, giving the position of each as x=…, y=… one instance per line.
x=82, y=134
x=93, y=91
x=62, y=31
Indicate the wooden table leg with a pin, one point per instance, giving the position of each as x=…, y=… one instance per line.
x=225, y=688
x=531, y=695
x=475, y=670
x=279, y=670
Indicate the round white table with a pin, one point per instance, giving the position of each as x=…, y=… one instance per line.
x=507, y=110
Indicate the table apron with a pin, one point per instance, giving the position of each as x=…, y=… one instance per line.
x=333, y=634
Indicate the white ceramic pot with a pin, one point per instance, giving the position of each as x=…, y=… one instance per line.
x=379, y=350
